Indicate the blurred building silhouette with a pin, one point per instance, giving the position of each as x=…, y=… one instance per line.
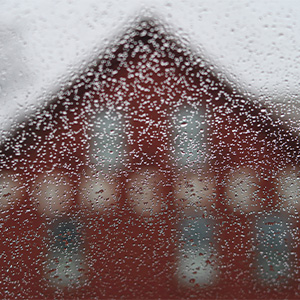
x=150, y=176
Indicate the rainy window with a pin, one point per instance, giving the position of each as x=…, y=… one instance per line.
x=149, y=151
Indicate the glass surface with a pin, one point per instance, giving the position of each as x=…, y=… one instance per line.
x=149, y=149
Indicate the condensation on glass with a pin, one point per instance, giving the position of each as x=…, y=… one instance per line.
x=150, y=176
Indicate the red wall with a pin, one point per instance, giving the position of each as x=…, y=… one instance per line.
x=126, y=254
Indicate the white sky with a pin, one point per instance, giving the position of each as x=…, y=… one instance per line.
x=256, y=42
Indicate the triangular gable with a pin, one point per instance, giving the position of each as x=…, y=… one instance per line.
x=145, y=83
x=118, y=62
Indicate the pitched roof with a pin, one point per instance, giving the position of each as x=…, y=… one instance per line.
x=80, y=72
x=150, y=32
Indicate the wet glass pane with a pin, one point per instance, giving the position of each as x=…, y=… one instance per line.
x=149, y=150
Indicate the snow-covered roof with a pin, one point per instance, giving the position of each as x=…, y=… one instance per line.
x=43, y=43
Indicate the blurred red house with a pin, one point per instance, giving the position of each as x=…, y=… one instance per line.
x=150, y=176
